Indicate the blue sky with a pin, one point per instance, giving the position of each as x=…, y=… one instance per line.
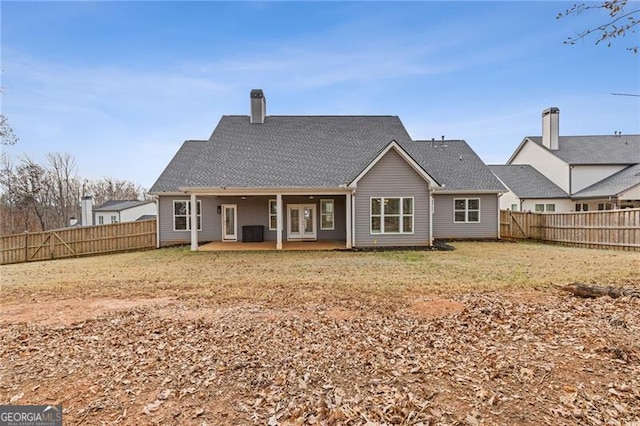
x=120, y=85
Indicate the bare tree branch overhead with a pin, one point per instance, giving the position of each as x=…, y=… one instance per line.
x=623, y=18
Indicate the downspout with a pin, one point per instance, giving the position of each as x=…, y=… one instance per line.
x=498, y=208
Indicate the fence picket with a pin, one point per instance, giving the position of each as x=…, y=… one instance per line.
x=616, y=229
x=80, y=241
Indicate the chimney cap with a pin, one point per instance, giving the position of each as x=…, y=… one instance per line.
x=257, y=93
x=551, y=110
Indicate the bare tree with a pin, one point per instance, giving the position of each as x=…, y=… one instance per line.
x=7, y=136
x=36, y=196
x=113, y=189
x=65, y=188
x=623, y=18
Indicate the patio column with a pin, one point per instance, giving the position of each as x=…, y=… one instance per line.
x=349, y=222
x=279, y=221
x=353, y=218
x=194, y=223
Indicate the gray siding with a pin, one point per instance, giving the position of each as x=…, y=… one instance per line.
x=251, y=211
x=444, y=227
x=392, y=177
x=211, y=229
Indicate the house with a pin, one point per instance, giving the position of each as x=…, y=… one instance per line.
x=529, y=190
x=361, y=180
x=116, y=211
x=598, y=172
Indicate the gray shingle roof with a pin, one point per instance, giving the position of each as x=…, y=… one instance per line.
x=312, y=152
x=453, y=164
x=527, y=182
x=606, y=149
x=119, y=205
x=174, y=174
x=292, y=151
x=613, y=185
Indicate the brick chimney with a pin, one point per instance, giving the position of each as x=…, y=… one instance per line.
x=551, y=127
x=258, y=106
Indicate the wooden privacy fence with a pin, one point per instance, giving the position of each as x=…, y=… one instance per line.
x=618, y=229
x=77, y=241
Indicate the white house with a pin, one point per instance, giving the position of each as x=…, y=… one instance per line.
x=530, y=190
x=598, y=172
x=116, y=211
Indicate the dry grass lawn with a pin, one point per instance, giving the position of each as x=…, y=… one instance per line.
x=290, y=278
x=477, y=336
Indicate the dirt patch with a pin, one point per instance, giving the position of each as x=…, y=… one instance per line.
x=70, y=311
x=434, y=308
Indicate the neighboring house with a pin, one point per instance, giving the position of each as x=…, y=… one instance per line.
x=597, y=172
x=530, y=190
x=359, y=179
x=116, y=211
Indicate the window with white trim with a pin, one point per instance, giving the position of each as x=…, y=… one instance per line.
x=182, y=215
x=114, y=219
x=466, y=210
x=542, y=208
x=100, y=220
x=327, y=215
x=273, y=215
x=391, y=215
x=514, y=207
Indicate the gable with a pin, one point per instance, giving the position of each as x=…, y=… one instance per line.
x=394, y=158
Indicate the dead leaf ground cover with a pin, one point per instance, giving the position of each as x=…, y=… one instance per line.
x=474, y=336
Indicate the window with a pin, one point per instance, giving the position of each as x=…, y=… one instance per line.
x=514, y=207
x=466, y=210
x=327, y=215
x=114, y=219
x=100, y=220
x=182, y=215
x=582, y=207
x=392, y=215
x=604, y=206
x=273, y=215
x=541, y=208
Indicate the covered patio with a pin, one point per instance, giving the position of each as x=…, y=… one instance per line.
x=325, y=245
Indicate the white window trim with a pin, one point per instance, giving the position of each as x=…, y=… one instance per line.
x=401, y=214
x=274, y=201
x=188, y=215
x=333, y=214
x=466, y=210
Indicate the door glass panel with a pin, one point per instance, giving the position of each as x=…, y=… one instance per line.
x=295, y=221
x=230, y=221
x=308, y=220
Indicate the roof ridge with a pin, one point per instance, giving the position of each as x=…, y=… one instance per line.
x=317, y=115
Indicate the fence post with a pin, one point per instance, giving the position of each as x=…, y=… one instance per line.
x=26, y=246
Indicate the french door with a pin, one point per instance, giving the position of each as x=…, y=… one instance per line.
x=229, y=222
x=301, y=222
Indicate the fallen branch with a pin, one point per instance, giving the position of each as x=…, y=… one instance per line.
x=586, y=290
